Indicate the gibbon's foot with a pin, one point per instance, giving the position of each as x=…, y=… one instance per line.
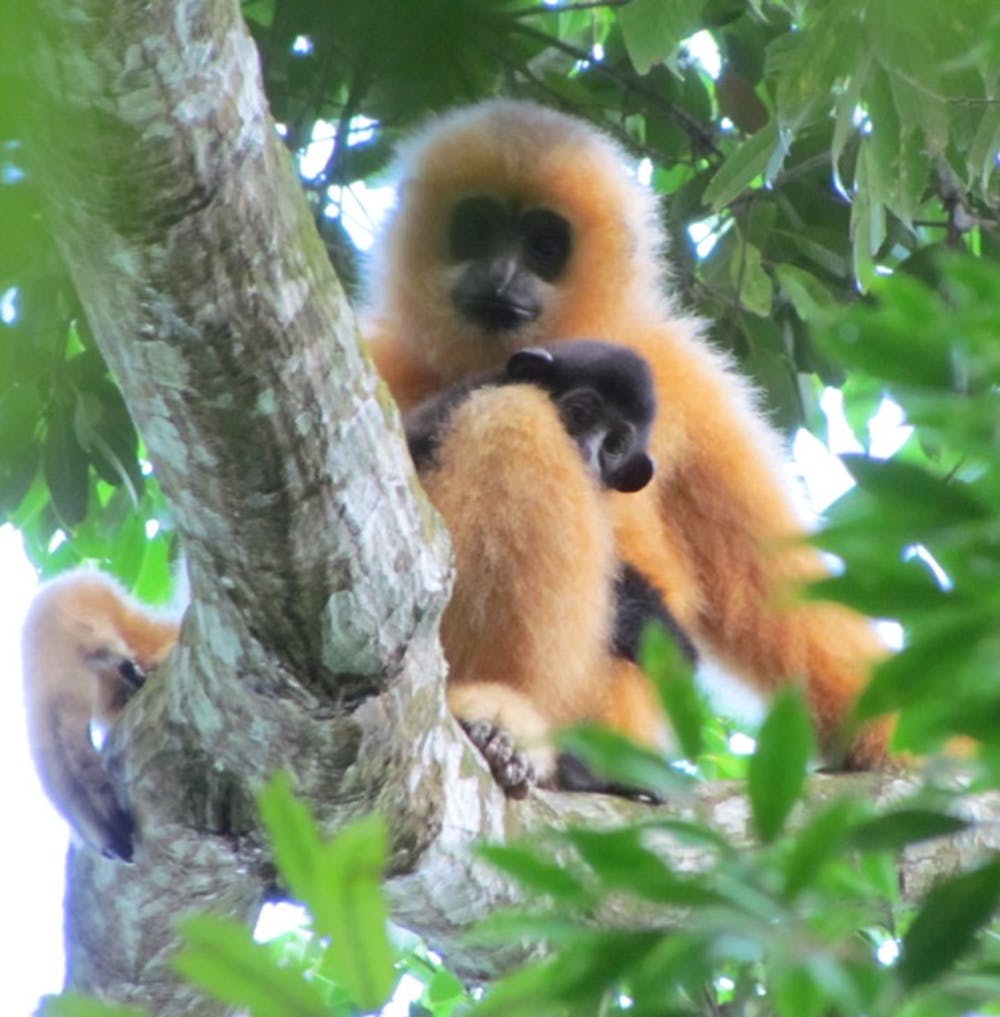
x=510, y=767
x=572, y=774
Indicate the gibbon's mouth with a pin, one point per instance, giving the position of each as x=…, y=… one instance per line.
x=495, y=314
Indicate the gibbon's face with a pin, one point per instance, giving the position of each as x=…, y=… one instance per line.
x=516, y=226
x=606, y=399
x=506, y=257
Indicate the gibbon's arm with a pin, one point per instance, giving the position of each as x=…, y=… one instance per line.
x=86, y=647
x=724, y=494
x=527, y=632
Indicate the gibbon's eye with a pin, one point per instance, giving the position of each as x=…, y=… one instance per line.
x=618, y=442
x=547, y=239
x=477, y=228
x=580, y=412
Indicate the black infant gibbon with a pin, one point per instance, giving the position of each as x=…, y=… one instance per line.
x=518, y=226
x=603, y=393
x=603, y=396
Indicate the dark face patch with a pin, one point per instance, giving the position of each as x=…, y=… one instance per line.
x=507, y=255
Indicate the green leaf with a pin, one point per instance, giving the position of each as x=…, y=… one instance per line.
x=64, y=466
x=674, y=680
x=742, y=167
x=914, y=494
x=946, y=925
x=808, y=295
x=340, y=882
x=777, y=769
x=19, y=412
x=292, y=832
x=653, y=30
x=981, y=158
x=867, y=220
x=795, y=991
x=622, y=861
x=76, y=1004
x=896, y=830
x=819, y=841
x=220, y=956
x=909, y=586
x=846, y=108
x=261, y=12
x=349, y=906
x=927, y=666
x=756, y=291
x=443, y=988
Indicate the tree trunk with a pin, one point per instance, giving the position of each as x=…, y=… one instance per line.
x=317, y=572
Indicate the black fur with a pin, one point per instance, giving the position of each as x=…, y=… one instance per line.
x=604, y=393
x=638, y=604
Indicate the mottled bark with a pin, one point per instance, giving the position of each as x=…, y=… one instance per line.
x=318, y=574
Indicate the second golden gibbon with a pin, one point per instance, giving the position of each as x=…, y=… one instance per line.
x=605, y=401
x=86, y=647
x=515, y=226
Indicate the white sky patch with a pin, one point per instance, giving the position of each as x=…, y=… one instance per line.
x=887, y=952
x=278, y=918
x=408, y=991
x=920, y=553
x=825, y=477
x=362, y=130
x=707, y=233
x=887, y=430
x=741, y=744
x=8, y=306
x=597, y=51
x=361, y=210
x=33, y=847
x=302, y=46
x=314, y=157
x=840, y=436
x=644, y=172
x=704, y=51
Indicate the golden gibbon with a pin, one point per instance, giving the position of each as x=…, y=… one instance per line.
x=517, y=225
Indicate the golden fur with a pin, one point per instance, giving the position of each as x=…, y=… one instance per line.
x=79, y=630
x=715, y=530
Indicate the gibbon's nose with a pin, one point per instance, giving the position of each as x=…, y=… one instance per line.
x=501, y=274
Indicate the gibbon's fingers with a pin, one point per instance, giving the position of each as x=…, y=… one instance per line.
x=507, y=729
